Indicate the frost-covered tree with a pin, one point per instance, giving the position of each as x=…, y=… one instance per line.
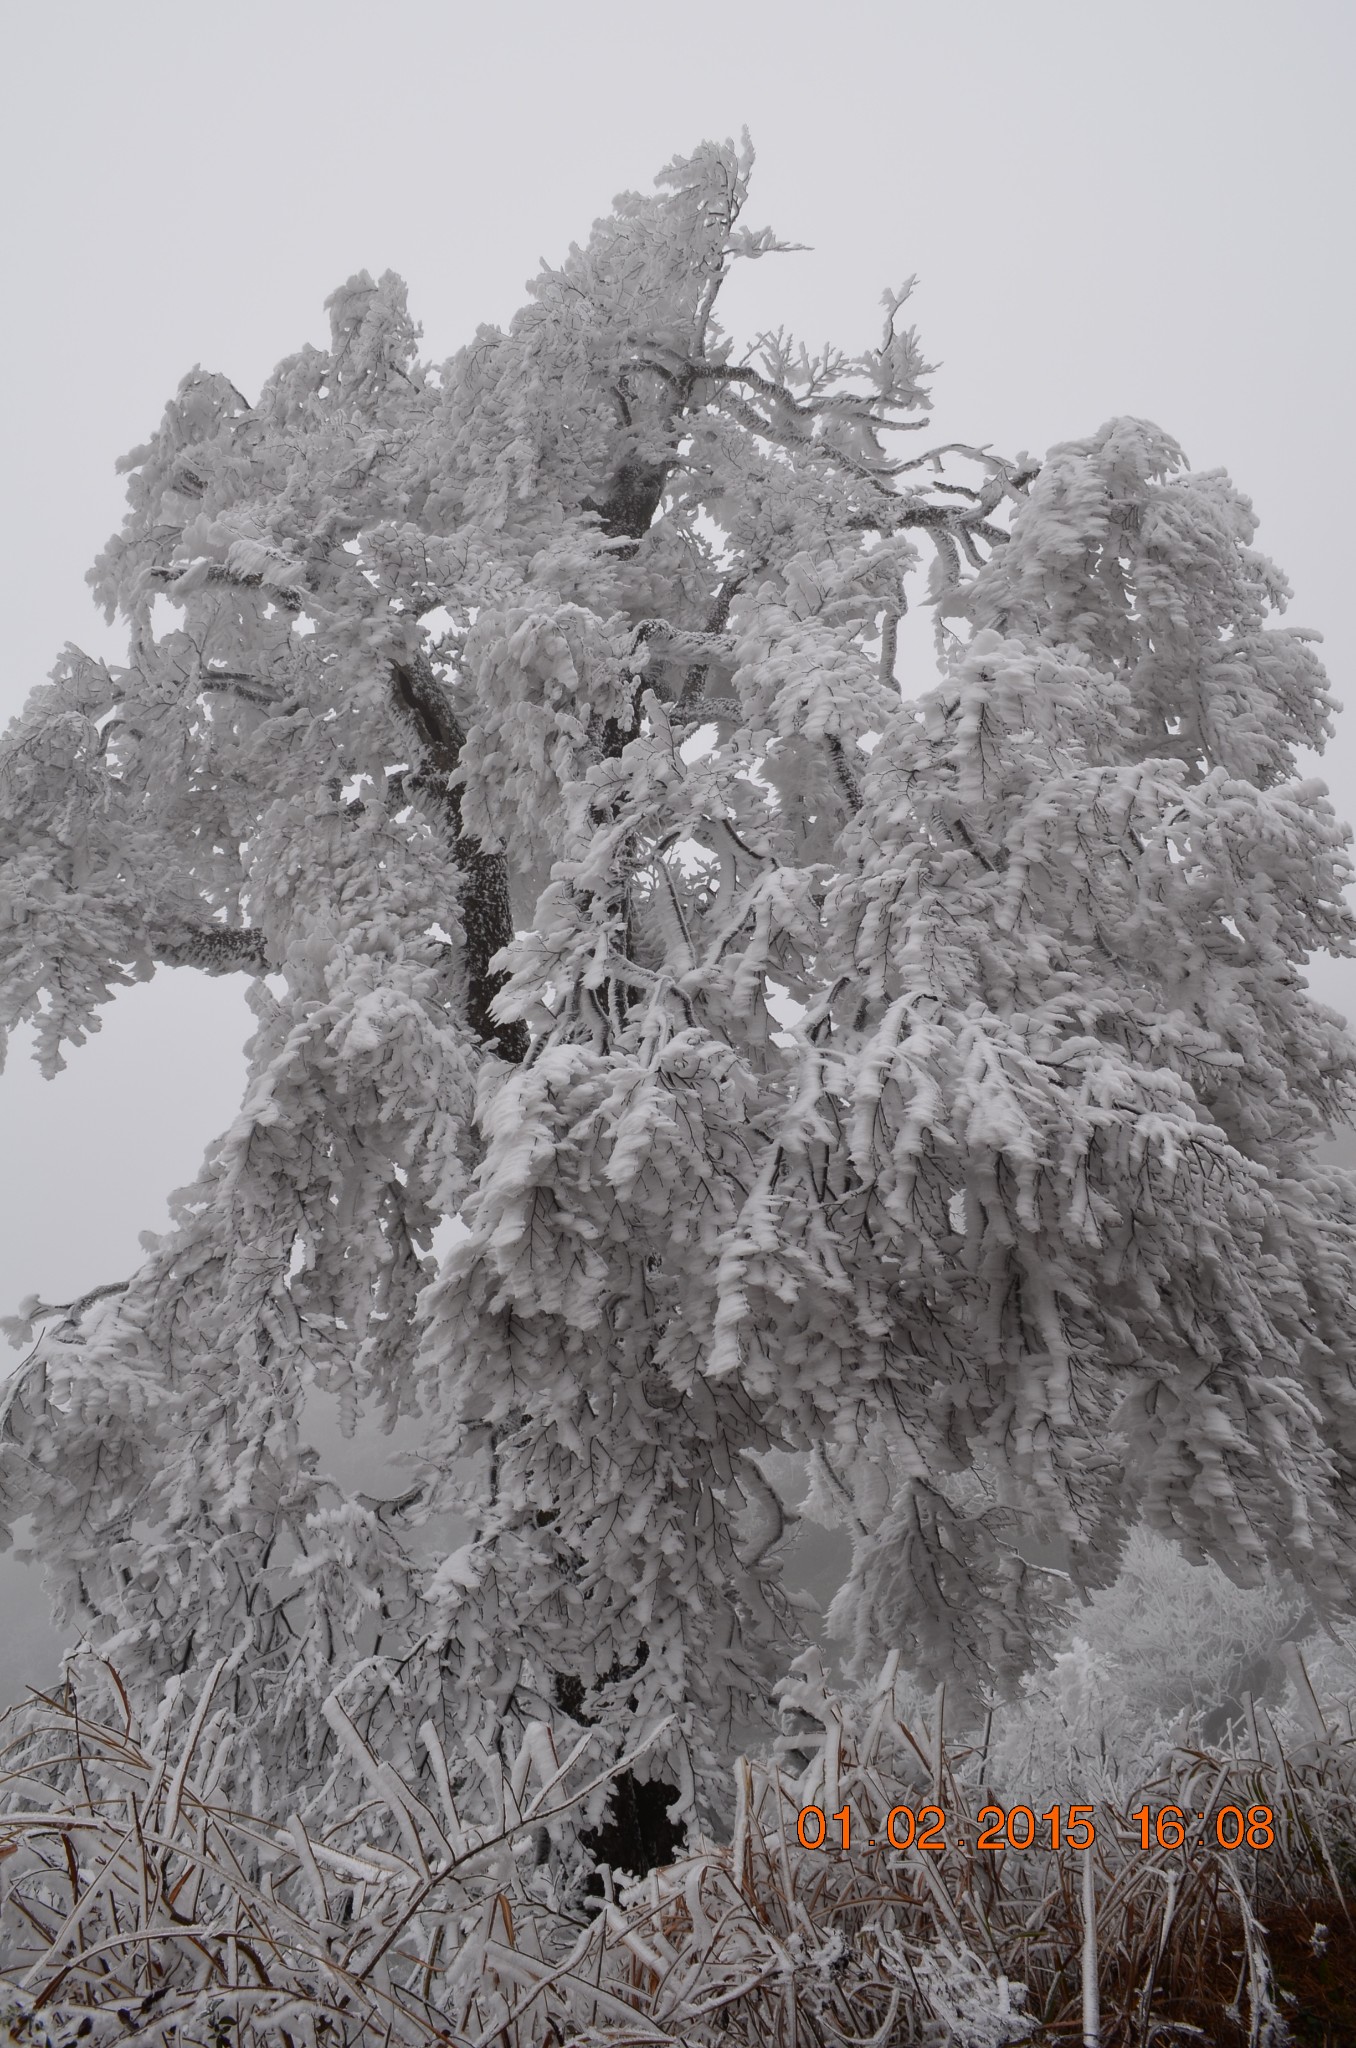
x=924, y=1083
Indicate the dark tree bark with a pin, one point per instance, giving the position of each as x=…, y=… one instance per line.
x=486, y=916
x=632, y=500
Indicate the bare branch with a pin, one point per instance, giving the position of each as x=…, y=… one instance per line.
x=248, y=688
x=215, y=948
x=281, y=594
x=847, y=778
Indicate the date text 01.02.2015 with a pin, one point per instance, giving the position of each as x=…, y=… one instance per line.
x=1017, y=1827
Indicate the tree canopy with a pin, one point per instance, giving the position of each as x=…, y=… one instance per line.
x=919, y=1079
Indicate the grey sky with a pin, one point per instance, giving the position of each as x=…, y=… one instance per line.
x=1109, y=210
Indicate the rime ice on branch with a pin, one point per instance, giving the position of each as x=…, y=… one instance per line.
x=1019, y=1229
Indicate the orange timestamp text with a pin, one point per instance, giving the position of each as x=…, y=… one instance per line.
x=997, y=1828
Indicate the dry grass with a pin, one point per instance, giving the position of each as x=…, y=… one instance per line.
x=139, y=1908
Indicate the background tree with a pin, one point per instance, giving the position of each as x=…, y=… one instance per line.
x=529, y=730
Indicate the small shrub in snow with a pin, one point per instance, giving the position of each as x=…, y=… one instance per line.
x=137, y=1904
